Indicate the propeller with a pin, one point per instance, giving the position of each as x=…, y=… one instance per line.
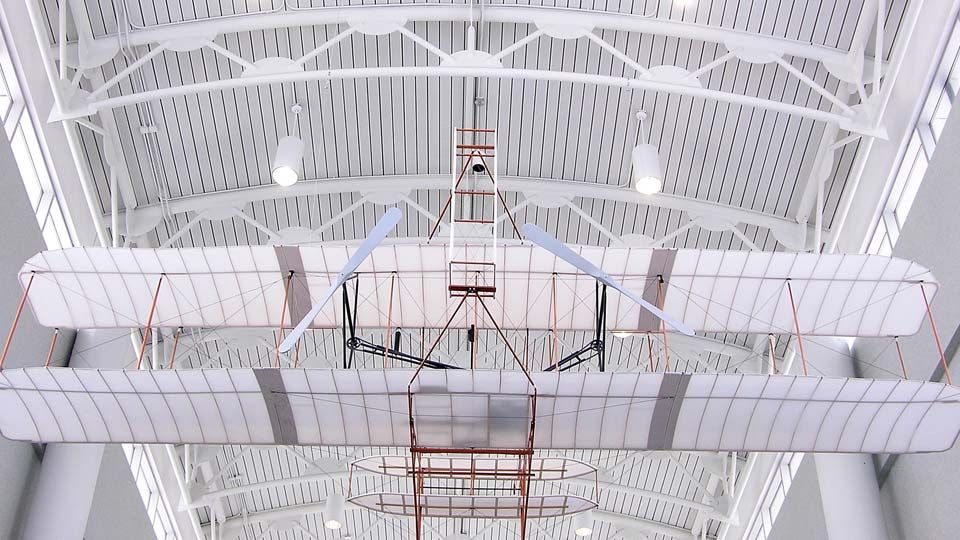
x=538, y=236
x=374, y=237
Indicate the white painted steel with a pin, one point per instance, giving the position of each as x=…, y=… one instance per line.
x=580, y=19
x=787, y=231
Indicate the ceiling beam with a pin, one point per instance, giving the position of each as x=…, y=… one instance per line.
x=293, y=512
x=342, y=476
x=98, y=106
x=787, y=231
x=463, y=13
x=561, y=24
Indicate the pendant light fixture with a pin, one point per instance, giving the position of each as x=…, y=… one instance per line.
x=583, y=523
x=333, y=515
x=647, y=172
x=286, y=162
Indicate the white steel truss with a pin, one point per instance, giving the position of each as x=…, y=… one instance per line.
x=551, y=23
x=541, y=192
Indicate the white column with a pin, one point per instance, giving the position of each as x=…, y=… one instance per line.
x=848, y=482
x=64, y=492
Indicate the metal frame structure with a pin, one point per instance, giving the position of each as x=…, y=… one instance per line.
x=352, y=343
x=596, y=347
x=498, y=468
x=419, y=451
x=474, y=149
x=150, y=39
x=537, y=192
x=473, y=153
x=856, y=71
x=550, y=22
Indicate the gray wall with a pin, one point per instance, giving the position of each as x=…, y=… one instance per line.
x=918, y=491
x=801, y=517
x=21, y=238
x=117, y=510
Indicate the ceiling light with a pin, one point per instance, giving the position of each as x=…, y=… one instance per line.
x=583, y=523
x=622, y=334
x=333, y=516
x=286, y=162
x=647, y=174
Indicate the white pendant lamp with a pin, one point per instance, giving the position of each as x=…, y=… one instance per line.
x=647, y=172
x=286, y=162
x=583, y=523
x=333, y=516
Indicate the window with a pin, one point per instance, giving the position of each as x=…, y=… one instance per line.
x=147, y=484
x=28, y=151
x=923, y=140
x=29, y=154
x=781, y=477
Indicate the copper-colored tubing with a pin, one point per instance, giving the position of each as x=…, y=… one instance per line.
x=53, y=343
x=796, y=325
x=436, y=342
x=491, y=451
x=477, y=263
x=903, y=367
x=146, y=331
x=936, y=336
x=176, y=341
x=283, y=313
x=350, y=481
x=446, y=205
x=16, y=319
x=481, y=221
x=506, y=343
x=476, y=146
x=473, y=192
x=473, y=474
x=506, y=209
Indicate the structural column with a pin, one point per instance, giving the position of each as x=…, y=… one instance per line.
x=64, y=492
x=848, y=482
